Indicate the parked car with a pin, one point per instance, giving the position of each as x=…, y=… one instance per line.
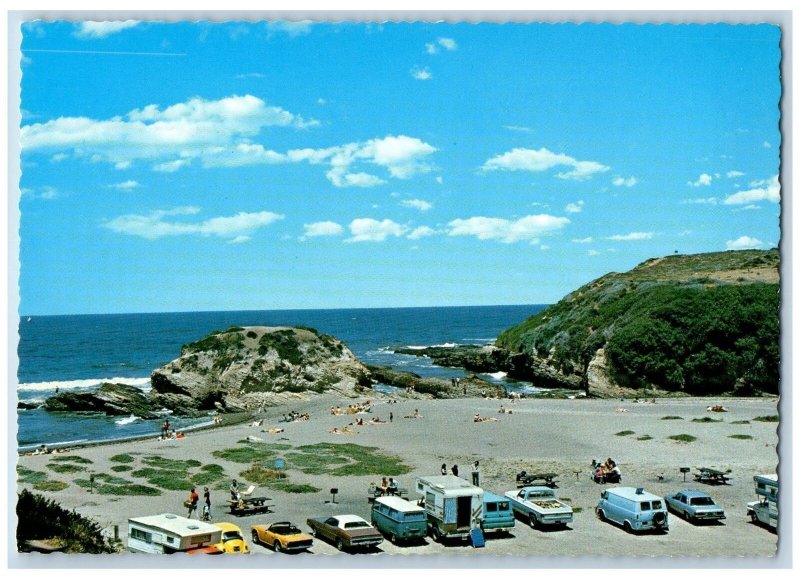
x=232, y=540
x=539, y=506
x=633, y=508
x=346, y=531
x=694, y=506
x=281, y=536
x=399, y=519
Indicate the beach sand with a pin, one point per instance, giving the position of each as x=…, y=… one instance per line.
x=560, y=436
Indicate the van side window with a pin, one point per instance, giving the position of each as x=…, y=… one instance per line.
x=604, y=495
x=644, y=506
x=503, y=506
x=491, y=507
x=656, y=505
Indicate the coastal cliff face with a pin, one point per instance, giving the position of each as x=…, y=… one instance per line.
x=243, y=368
x=695, y=324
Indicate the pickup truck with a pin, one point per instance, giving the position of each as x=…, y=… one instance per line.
x=539, y=506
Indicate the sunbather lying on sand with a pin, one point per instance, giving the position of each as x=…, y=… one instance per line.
x=345, y=430
x=273, y=430
x=716, y=408
x=414, y=414
x=376, y=420
x=479, y=418
x=622, y=409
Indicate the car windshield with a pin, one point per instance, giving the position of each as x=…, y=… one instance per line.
x=231, y=535
x=700, y=501
x=285, y=530
x=356, y=525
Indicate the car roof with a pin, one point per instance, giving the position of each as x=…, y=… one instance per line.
x=399, y=504
x=227, y=527
x=630, y=493
x=693, y=493
x=349, y=519
x=539, y=489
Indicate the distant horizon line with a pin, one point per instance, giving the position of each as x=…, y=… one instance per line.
x=31, y=316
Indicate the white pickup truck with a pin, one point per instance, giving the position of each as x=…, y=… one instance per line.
x=539, y=506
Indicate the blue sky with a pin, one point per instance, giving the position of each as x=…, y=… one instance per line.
x=200, y=166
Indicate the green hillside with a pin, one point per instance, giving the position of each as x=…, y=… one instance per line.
x=701, y=324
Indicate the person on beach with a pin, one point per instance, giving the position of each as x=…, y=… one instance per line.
x=192, y=502
x=394, y=488
x=476, y=474
x=234, y=490
x=454, y=470
x=384, y=486
x=391, y=417
x=444, y=469
x=206, y=504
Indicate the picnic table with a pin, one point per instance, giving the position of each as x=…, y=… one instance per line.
x=374, y=493
x=250, y=506
x=712, y=476
x=525, y=479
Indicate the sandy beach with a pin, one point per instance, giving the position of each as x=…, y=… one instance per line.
x=560, y=436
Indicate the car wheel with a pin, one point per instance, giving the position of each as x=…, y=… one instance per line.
x=601, y=515
x=255, y=538
x=627, y=526
x=340, y=544
x=277, y=546
x=392, y=539
x=753, y=517
x=437, y=536
x=532, y=521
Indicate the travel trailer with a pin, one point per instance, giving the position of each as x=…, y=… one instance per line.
x=168, y=533
x=453, y=506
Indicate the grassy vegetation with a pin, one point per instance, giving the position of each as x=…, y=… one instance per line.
x=359, y=460
x=122, y=458
x=741, y=436
x=644, y=437
x=259, y=475
x=770, y=418
x=121, y=468
x=294, y=488
x=251, y=452
x=71, y=458
x=672, y=418
x=682, y=437
x=50, y=485
x=44, y=519
x=625, y=433
x=681, y=323
x=26, y=475
x=740, y=422
x=706, y=419
x=107, y=484
x=66, y=468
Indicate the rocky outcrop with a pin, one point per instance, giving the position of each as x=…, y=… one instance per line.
x=112, y=399
x=417, y=386
x=488, y=359
x=244, y=368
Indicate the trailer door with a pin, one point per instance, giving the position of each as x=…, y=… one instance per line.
x=464, y=512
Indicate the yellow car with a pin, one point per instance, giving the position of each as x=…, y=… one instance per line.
x=281, y=536
x=232, y=539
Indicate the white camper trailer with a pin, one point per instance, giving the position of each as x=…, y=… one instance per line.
x=765, y=509
x=170, y=533
x=453, y=505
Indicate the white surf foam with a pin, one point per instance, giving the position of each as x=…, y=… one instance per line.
x=498, y=375
x=144, y=383
x=128, y=420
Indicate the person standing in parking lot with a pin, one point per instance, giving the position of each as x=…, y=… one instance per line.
x=476, y=474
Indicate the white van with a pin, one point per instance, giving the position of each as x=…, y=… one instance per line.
x=633, y=508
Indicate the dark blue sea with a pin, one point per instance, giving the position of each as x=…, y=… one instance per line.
x=81, y=352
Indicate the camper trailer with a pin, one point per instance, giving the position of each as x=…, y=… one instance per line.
x=453, y=506
x=765, y=509
x=168, y=533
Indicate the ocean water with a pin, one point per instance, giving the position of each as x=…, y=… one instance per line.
x=80, y=352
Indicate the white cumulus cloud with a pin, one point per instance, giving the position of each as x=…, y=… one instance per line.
x=373, y=230
x=633, y=236
x=91, y=29
x=155, y=224
x=421, y=231
x=528, y=228
x=126, y=185
x=291, y=27
x=700, y=201
x=734, y=174
x=768, y=190
x=744, y=242
x=583, y=240
x=704, y=180
x=520, y=159
x=625, y=181
x=442, y=42
x=574, y=207
x=420, y=204
x=423, y=73
x=322, y=229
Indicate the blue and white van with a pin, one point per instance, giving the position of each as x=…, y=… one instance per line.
x=497, y=513
x=634, y=509
x=399, y=519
